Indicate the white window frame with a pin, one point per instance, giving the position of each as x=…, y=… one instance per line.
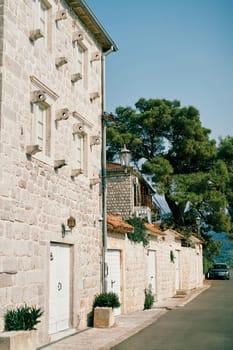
x=79, y=161
x=79, y=151
x=83, y=127
x=80, y=61
x=42, y=127
x=42, y=8
x=47, y=109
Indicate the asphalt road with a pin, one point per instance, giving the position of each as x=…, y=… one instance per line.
x=206, y=323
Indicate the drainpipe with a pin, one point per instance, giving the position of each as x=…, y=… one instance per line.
x=103, y=175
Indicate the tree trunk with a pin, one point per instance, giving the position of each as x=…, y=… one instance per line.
x=177, y=211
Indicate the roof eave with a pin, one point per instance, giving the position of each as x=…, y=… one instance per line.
x=89, y=19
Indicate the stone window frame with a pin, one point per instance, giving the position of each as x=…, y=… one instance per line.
x=42, y=31
x=46, y=155
x=42, y=127
x=80, y=73
x=79, y=143
x=82, y=127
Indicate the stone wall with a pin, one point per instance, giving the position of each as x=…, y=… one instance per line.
x=165, y=272
x=35, y=199
x=192, y=267
x=120, y=195
x=134, y=268
x=135, y=276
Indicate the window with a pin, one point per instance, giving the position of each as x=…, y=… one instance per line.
x=42, y=14
x=79, y=149
x=41, y=142
x=42, y=128
x=79, y=60
x=80, y=57
x=136, y=194
x=41, y=22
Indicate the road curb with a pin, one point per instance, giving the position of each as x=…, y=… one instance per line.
x=195, y=294
x=133, y=331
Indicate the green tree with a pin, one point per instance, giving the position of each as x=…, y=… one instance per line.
x=225, y=153
x=182, y=161
x=211, y=249
x=141, y=129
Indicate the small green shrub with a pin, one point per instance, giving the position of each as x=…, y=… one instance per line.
x=109, y=299
x=140, y=233
x=172, y=257
x=149, y=299
x=23, y=318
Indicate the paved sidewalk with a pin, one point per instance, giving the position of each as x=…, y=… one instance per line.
x=126, y=326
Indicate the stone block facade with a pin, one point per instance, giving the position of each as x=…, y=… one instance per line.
x=183, y=273
x=120, y=195
x=128, y=193
x=192, y=273
x=36, y=195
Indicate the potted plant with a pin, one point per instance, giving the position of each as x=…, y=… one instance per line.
x=18, y=323
x=103, y=306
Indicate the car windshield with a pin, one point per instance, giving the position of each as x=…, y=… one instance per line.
x=220, y=266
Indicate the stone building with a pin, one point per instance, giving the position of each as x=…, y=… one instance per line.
x=52, y=56
x=128, y=193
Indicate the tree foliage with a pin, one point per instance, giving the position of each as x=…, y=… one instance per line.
x=139, y=234
x=225, y=153
x=194, y=174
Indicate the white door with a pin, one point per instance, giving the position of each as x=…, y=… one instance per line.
x=59, y=293
x=177, y=269
x=114, y=274
x=198, y=280
x=151, y=271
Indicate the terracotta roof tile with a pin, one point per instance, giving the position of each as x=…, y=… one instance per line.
x=175, y=233
x=114, y=166
x=195, y=239
x=153, y=229
x=116, y=223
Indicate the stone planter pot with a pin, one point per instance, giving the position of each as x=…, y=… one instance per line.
x=103, y=317
x=18, y=340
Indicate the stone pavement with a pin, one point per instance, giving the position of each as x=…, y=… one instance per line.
x=126, y=326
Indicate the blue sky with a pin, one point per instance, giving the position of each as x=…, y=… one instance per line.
x=173, y=49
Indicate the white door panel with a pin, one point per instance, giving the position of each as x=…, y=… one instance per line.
x=114, y=274
x=59, y=299
x=151, y=271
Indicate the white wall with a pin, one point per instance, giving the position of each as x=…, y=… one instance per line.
x=134, y=267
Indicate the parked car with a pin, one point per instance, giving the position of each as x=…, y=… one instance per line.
x=219, y=271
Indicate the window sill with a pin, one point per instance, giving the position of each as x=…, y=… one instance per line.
x=44, y=159
x=76, y=172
